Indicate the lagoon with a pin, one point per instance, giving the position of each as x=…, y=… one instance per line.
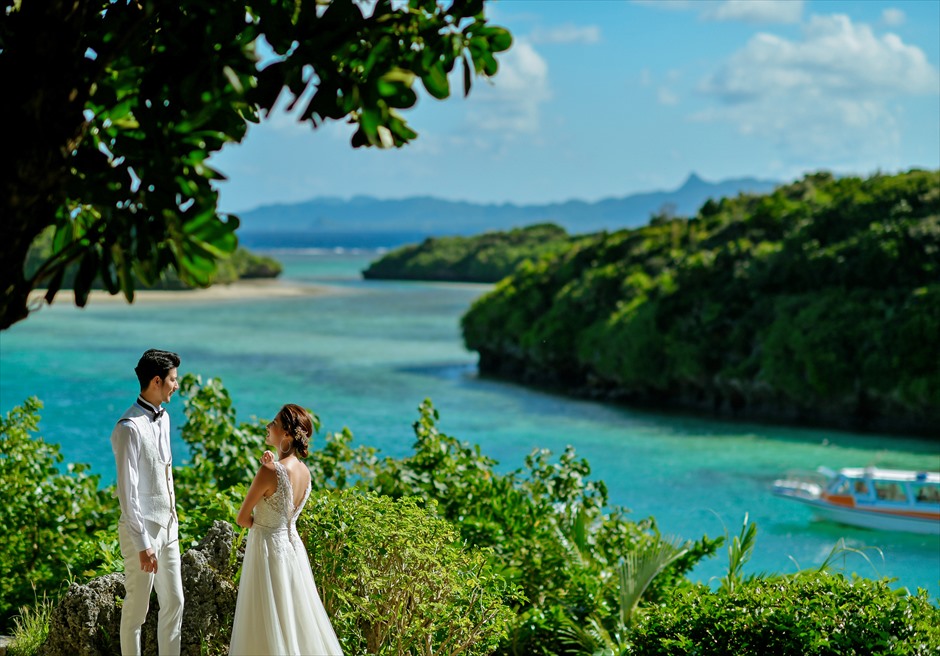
x=365, y=354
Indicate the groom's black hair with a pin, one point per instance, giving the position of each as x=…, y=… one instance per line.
x=155, y=362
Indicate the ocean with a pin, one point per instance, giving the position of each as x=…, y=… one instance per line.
x=365, y=356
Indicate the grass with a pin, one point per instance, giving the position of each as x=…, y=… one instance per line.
x=30, y=628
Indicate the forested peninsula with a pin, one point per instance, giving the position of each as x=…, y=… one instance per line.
x=818, y=303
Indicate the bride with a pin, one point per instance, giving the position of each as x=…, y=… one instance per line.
x=278, y=609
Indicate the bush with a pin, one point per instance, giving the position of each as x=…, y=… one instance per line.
x=810, y=614
x=223, y=457
x=547, y=526
x=440, y=552
x=395, y=579
x=48, y=512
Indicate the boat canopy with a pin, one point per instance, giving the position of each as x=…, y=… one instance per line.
x=898, y=475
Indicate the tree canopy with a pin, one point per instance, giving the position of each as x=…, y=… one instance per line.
x=114, y=107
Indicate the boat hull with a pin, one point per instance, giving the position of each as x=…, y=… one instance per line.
x=881, y=520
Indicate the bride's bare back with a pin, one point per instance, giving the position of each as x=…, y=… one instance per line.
x=299, y=477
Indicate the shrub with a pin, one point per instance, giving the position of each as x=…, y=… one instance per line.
x=547, y=527
x=395, y=579
x=223, y=457
x=48, y=511
x=814, y=613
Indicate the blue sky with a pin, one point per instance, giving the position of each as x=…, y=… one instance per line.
x=603, y=98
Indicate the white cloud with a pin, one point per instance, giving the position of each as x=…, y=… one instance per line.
x=893, y=17
x=673, y=5
x=756, y=11
x=511, y=102
x=568, y=33
x=827, y=95
x=666, y=96
x=748, y=11
x=834, y=57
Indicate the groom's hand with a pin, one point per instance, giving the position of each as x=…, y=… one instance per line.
x=148, y=561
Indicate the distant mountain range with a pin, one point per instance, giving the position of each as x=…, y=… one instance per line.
x=367, y=222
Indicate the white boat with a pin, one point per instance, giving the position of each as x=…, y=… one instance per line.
x=881, y=499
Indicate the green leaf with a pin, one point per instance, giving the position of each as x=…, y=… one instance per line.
x=500, y=39
x=369, y=121
x=396, y=92
x=54, y=284
x=87, y=270
x=467, y=75
x=436, y=82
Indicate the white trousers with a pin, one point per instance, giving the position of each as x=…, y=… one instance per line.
x=137, y=584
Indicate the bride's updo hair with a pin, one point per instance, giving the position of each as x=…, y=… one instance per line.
x=298, y=425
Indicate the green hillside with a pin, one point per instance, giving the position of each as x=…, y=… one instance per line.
x=819, y=302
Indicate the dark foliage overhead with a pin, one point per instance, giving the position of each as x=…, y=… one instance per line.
x=114, y=107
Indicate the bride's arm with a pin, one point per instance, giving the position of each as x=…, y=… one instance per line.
x=265, y=484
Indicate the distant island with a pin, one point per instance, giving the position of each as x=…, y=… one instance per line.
x=818, y=303
x=367, y=222
x=483, y=258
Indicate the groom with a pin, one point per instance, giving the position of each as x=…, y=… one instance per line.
x=148, y=528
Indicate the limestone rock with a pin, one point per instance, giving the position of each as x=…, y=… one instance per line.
x=208, y=592
x=87, y=620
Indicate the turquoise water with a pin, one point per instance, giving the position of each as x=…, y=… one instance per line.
x=366, y=356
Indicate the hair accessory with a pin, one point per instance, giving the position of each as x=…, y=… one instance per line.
x=301, y=435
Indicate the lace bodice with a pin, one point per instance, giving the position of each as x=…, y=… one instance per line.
x=277, y=511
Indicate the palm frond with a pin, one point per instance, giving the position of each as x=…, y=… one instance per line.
x=840, y=548
x=638, y=569
x=591, y=638
x=739, y=552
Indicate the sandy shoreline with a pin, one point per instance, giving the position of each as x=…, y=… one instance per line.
x=236, y=291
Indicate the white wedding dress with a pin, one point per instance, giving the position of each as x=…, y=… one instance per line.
x=279, y=611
